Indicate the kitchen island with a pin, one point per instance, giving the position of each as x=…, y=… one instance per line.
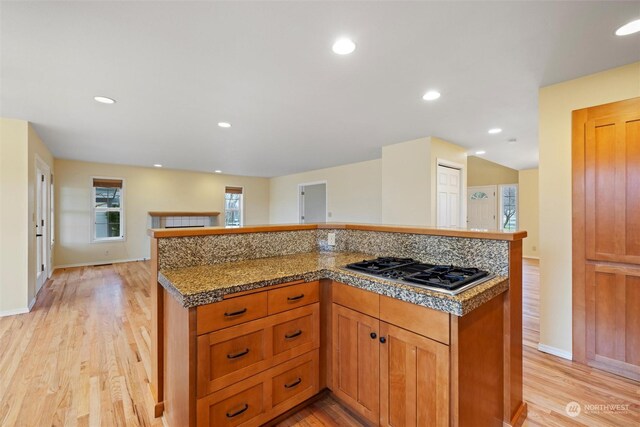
x=248, y=323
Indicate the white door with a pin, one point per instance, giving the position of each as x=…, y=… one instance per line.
x=41, y=229
x=448, y=201
x=481, y=207
x=313, y=203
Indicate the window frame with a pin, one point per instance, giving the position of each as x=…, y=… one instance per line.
x=240, y=208
x=120, y=238
x=501, y=206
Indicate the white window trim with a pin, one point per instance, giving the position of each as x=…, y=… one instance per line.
x=121, y=209
x=241, y=206
x=501, y=205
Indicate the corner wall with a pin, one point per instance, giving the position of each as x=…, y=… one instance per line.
x=146, y=189
x=556, y=103
x=14, y=231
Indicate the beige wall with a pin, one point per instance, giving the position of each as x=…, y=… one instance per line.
x=484, y=172
x=19, y=145
x=13, y=216
x=555, y=105
x=146, y=189
x=353, y=193
x=528, y=209
x=405, y=170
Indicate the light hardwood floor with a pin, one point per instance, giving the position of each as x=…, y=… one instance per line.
x=81, y=357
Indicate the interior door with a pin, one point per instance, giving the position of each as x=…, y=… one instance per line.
x=481, y=207
x=606, y=237
x=448, y=198
x=41, y=228
x=313, y=203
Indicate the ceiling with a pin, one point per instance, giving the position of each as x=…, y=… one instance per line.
x=178, y=68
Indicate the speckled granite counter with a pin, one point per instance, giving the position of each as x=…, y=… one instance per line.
x=204, y=284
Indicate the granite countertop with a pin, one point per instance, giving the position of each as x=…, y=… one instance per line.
x=204, y=284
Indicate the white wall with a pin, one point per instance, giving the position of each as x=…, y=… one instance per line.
x=528, y=209
x=556, y=103
x=146, y=189
x=353, y=193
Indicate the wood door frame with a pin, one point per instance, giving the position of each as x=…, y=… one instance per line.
x=578, y=207
x=463, y=189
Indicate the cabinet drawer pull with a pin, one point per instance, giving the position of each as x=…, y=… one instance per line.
x=293, y=334
x=293, y=384
x=239, y=411
x=238, y=354
x=235, y=313
x=297, y=297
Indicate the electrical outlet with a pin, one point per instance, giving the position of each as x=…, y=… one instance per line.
x=331, y=239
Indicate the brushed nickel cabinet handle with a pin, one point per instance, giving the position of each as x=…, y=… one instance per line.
x=238, y=412
x=239, y=354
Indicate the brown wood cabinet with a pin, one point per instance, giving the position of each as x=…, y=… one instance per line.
x=244, y=360
x=399, y=375
x=606, y=229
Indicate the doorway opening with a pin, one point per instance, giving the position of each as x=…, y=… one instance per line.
x=43, y=223
x=312, y=202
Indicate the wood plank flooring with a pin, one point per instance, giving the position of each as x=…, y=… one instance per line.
x=81, y=358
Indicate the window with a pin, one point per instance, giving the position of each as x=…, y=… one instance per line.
x=107, y=209
x=478, y=195
x=509, y=207
x=233, y=206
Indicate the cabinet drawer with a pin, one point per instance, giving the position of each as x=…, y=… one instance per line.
x=303, y=378
x=302, y=330
x=425, y=321
x=293, y=296
x=230, y=312
x=356, y=299
x=236, y=409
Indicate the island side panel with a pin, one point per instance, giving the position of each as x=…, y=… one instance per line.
x=157, y=350
x=515, y=409
x=179, y=374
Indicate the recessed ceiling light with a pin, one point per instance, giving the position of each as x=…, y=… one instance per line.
x=630, y=28
x=432, y=95
x=224, y=124
x=104, y=100
x=157, y=165
x=343, y=46
x=217, y=171
x=481, y=152
x=495, y=130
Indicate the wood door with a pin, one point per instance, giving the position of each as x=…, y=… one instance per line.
x=356, y=361
x=606, y=231
x=414, y=379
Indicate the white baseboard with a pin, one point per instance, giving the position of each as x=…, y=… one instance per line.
x=531, y=257
x=14, y=312
x=32, y=303
x=88, y=264
x=555, y=351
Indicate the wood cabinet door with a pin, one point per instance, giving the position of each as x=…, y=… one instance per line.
x=356, y=361
x=612, y=188
x=613, y=319
x=414, y=379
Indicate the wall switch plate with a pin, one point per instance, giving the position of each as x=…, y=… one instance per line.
x=331, y=239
